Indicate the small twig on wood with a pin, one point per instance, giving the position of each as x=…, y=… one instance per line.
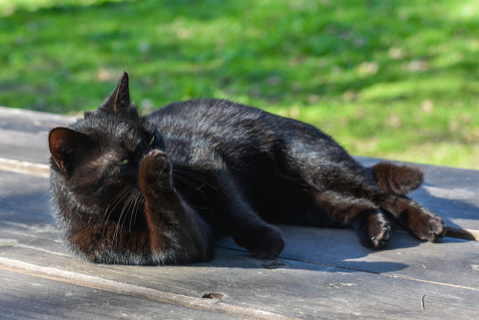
x=422, y=302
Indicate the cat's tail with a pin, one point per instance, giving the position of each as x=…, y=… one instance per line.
x=397, y=179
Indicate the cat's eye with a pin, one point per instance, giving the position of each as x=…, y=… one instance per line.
x=152, y=140
x=123, y=162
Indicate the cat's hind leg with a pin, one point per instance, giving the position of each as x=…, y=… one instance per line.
x=363, y=215
x=414, y=218
x=396, y=181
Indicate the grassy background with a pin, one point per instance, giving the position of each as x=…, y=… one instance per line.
x=396, y=79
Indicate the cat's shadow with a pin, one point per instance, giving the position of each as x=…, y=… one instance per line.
x=307, y=247
x=328, y=249
x=323, y=248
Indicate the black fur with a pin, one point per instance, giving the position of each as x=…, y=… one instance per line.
x=203, y=168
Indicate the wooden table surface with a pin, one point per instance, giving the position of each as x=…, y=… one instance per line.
x=321, y=274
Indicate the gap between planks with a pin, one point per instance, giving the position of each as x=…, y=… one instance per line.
x=134, y=290
x=43, y=170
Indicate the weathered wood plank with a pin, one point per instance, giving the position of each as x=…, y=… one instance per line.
x=35, y=169
x=29, y=297
x=25, y=194
x=294, y=288
x=452, y=262
x=29, y=120
x=304, y=284
x=24, y=134
x=94, y=282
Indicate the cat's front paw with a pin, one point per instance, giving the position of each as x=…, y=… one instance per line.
x=426, y=225
x=155, y=172
x=264, y=241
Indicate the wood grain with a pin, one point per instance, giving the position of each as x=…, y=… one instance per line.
x=34, y=169
x=289, y=287
x=40, y=298
x=132, y=290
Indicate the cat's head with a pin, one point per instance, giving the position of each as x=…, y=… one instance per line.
x=97, y=158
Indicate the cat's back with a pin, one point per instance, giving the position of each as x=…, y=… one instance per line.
x=206, y=112
x=233, y=130
x=212, y=119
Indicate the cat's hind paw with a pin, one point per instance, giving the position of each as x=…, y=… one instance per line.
x=378, y=236
x=373, y=229
x=427, y=226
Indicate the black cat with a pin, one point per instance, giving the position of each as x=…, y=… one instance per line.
x=159, y=189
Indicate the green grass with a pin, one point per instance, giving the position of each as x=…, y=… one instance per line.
x=393, y=79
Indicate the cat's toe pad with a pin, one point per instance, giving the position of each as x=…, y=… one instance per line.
x=379, y=234
x=373, y=229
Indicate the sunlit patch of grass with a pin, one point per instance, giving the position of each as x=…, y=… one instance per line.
x=8, y=7
x=384, y=78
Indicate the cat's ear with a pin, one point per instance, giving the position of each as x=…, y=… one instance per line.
x=66, y=145
x=120, y=97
